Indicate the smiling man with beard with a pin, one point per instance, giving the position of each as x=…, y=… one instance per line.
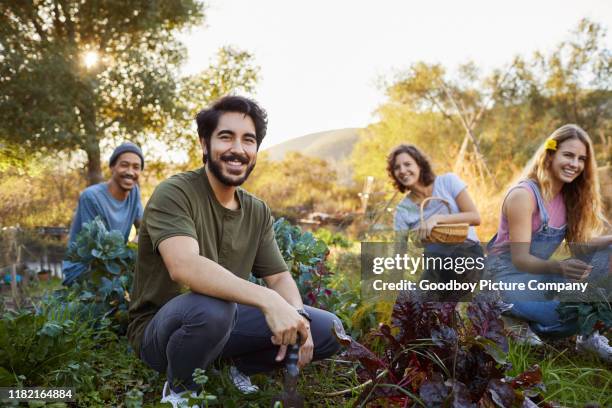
x=202, y=237
x=116, y=202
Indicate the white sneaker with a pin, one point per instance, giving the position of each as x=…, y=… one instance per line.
x=242, y=381
x=595, y=343
x=521, y=332
x=180, y=400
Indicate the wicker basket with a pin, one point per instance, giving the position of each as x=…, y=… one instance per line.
x=445, y=233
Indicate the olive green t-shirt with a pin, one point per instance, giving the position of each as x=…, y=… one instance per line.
x=240, y=240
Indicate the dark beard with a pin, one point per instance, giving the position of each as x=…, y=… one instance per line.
x=215, y=168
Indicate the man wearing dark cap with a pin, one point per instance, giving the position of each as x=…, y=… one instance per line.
x=116, y=202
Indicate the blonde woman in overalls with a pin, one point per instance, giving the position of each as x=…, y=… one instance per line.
x=557, y=200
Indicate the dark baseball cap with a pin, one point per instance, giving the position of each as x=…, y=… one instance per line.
x=126, y=147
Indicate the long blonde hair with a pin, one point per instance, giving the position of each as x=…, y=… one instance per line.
x=582, y=197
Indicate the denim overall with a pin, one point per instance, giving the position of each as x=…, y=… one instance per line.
x=539, y=307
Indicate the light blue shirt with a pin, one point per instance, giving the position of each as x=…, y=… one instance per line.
x=118, y=215
x=446, y=186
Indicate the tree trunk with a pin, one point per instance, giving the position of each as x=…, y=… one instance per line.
x=92, y=141
x=94, y=167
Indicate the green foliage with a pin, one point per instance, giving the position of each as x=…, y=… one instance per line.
x=48, y=347
x=40, y=191
x=118, y=371
x=591, y=317
x=64, y=342
x=592, y=312
x=305, y=256
x=331, y=238
x=104, y=252
x=569, y=84
x=358, y=315
x=12, y=156
x=110, y=270
x=52, y=99
x=203, y=397
x=133, y=398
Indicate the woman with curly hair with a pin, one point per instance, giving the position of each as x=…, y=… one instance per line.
x=556, y=200
x=411, y=173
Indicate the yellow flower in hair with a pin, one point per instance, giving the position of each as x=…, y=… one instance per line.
x=551, y=144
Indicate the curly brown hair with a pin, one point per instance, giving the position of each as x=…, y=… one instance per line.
x=426, y=176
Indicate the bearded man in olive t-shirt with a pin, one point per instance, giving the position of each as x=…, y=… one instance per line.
x=201, y=238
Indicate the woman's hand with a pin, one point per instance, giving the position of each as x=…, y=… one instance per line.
x=424, y=230
x=574, y=269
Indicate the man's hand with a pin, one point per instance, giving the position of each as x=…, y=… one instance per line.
x=284, y=322
x=305, y=353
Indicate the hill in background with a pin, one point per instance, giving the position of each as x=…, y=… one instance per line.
x=334, y=146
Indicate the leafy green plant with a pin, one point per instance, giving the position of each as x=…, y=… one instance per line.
x=358, y=315
x=110, y=270
x=305, y=256
x=596, y=316
x=119, y=372
x=44, y=347
x=591, y=310
x=433, y=356
x=103, y=251
x=332, y=238
x=64, y=341
x=200, y=378
x=133, y=398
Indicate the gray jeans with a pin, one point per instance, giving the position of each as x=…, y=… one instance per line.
x=193, y=330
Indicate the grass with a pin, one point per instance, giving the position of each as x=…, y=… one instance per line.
x=571, y=379
x=316, y=381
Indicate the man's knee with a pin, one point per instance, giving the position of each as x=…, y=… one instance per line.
x=208, y=313
x=322, y=329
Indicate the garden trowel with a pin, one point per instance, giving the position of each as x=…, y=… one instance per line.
x=290, y=397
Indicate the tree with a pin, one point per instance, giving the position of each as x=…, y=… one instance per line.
x=231, y=72
x=438, y=138
x=40, y=191
x=570, y=84
x=74, y=72
x=299, y=184
x=464, y=100
x=11, y=156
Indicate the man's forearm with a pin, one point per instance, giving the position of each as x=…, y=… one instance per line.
x=285, y=286
x=214, y=280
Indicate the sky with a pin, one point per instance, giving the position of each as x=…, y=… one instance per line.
x=321, y=62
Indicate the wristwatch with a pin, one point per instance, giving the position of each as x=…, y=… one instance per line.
x=304, y=314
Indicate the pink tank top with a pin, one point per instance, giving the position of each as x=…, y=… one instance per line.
x=556, y=215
